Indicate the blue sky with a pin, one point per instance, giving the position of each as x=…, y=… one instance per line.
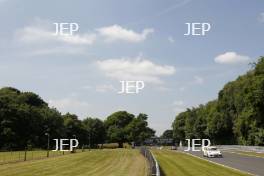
x=128, y=40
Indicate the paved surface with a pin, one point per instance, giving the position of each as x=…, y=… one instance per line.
x=250, y=164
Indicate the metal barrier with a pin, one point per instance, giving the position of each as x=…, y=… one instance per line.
x=154, y=166
x=259, y=149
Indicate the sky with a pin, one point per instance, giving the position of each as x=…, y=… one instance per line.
x=139, y=40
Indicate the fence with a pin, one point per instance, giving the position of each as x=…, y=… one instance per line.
x=17, y=156
x=259, y=149
x=154, y=166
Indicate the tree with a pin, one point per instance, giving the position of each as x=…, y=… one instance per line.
x=179, y=127
x=95, y=131
x=116, y=125
x=236, y=117
x=74, y=128
x=167, y=134
x=138, y=130
x=24, y=119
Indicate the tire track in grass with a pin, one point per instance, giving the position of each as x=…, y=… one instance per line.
x=94, y=163
x=90, y=164
x=168, y=161
x=51, y=166
x=108, y=162
x=138, y=161
x=120, y=162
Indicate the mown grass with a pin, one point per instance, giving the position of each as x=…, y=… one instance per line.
x=174, y=163
x=116, y=162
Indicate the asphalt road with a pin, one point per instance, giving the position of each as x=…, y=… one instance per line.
x=249, y=164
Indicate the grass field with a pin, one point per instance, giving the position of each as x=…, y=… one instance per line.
x=174, y=163
x=116, y=162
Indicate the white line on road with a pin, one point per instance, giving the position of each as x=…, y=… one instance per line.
x=219, y=164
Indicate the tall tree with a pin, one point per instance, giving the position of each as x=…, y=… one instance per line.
x=95, y=131
x=138, y=130
x=116, y=125
x=167, y=134
x=236, y=117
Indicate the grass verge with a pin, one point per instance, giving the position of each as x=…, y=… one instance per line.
x=174, y=163
x=117, y=162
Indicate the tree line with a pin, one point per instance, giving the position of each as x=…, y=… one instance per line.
x=25, y=119
x=235, y=117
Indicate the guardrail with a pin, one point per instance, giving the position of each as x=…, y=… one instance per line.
x=258, y=149
x=153, y=163
x=242, y=147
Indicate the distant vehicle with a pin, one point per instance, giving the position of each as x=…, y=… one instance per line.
x=173, y=147
x=211, y=152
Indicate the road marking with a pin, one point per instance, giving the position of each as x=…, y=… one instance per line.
x=218, y=164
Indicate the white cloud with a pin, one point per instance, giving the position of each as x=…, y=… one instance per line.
x=43, y=31
x=171, y=39
x=198, y=80
x=39, y=38
x=261, y=17
x=178, y=103
x=58, y=50
x=86, y=87
x=42, y=34
x=71, y=105
x=116, y=32
x=231, y=58
x=178, y=106
x=105, y=88
x=136, y=69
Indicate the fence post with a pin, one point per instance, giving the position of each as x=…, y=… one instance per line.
x=4, y=157
x=25, y=156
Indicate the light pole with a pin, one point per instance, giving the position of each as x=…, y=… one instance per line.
x=89, y=129
x=89, y=140
x=47, y=134
x=74, y=147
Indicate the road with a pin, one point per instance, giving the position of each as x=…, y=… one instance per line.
x=249, y=164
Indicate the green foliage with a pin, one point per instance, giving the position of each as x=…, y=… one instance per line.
x=236, y=117
x=167, y=134
x=116, y=125
x=25, y=118
x=95, y=131
x=138, y=129
x=123, y=127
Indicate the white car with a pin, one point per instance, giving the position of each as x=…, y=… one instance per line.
x=211, y=152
